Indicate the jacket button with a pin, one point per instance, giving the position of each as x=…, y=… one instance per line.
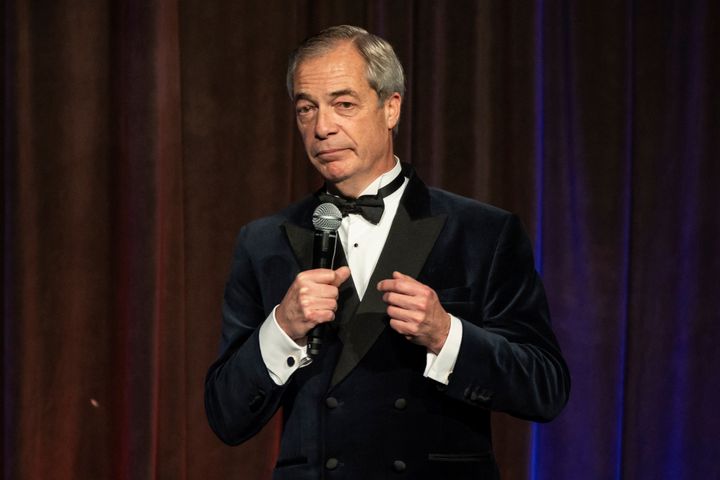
x=399, y=466
x=485, y=396
x=257, y=401
x=331, y=463
x=290, y=361
x=400, y=403
x=331, y=402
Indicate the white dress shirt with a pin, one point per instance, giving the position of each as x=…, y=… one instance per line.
x=363, y=242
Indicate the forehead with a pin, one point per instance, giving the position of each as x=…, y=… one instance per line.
x=341, y=68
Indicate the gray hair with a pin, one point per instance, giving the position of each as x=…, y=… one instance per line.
x=384, y=71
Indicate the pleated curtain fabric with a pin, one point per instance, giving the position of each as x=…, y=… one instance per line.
x=138, y=137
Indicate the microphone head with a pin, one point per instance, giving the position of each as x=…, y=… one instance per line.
x=327, y=217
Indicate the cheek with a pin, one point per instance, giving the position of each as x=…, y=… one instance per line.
x=372, y=137
x=306, y=136
x=361, y=134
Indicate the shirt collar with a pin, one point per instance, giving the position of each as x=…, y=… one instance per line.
x=383, y=179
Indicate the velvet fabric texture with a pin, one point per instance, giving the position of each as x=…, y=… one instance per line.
x=338, y=417
x=139, y=136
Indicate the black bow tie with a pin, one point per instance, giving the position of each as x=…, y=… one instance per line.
x=371, y=207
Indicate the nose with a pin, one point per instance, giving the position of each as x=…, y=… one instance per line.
x=325, y=123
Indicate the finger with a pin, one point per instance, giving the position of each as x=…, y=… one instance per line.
x=396, y=286
x=320, y=316
x=406, y=286
x=404, y=315
x=319, y=290
x=341, y=275
x=408, y=293
x=406, y=329
x=317, y=275
x=397, y=274
x=401, y=300
x=318, y=303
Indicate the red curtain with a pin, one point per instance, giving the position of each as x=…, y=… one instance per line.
x=139, y=136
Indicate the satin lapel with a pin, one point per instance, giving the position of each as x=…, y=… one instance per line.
x=348, y=299
x=408, y=244
x=301, y=242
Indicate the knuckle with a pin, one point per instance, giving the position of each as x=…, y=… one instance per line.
x=422, y=303
x=397, y=325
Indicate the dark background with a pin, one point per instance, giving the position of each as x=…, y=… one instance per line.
x=138, y=136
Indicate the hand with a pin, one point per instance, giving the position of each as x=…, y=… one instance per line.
x=415, y=311
x=310, y=300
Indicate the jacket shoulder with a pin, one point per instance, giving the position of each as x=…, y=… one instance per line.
x=467, y=211
x=299, y=212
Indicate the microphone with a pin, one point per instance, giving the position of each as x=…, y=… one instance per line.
x=326, y=220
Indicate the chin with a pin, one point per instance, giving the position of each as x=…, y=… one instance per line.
x=335, y=179
x=333, y=172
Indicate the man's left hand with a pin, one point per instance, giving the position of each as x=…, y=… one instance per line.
x=415, y=311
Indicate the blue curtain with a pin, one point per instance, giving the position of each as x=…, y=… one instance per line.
x=628, y=236
x=139, y=136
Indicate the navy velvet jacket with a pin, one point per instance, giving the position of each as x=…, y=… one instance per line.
x=363, y=409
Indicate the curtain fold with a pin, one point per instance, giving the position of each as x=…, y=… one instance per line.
x=139, y=136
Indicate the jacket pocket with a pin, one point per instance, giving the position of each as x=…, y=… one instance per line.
x=290, y=462
x=453, y=294
x=460, y=457
x=462, y=466
x=465, y=310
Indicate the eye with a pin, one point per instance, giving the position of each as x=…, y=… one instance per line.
x=303, y=110
x=344, y=105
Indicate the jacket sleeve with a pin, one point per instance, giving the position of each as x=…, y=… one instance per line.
x=510, y=360
x=240, y=396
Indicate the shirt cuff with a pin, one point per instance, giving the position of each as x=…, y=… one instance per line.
x=281, y=355
x=439, y=367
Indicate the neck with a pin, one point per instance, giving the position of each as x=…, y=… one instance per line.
x=355, y=186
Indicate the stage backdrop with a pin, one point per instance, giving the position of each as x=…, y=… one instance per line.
x=139, y=136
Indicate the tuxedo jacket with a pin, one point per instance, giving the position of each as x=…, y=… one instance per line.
x=363, y=409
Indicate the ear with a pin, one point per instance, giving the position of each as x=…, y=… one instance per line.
x=392, y=110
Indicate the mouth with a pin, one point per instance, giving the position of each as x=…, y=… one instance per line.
x=329, y=154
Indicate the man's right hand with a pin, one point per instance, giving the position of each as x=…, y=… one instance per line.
x=310, y=300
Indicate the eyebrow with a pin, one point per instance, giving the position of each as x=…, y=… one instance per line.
x=304, y=96
x=347, y=91
x=338, y=93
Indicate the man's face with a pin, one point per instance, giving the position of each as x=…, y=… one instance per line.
x=346, y=132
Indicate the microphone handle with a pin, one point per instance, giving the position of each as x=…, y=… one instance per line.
x=323, y=256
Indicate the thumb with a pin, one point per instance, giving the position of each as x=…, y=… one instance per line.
x=341, y=274
x=400, y=275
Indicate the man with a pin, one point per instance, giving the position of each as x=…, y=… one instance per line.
x=435, y=317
